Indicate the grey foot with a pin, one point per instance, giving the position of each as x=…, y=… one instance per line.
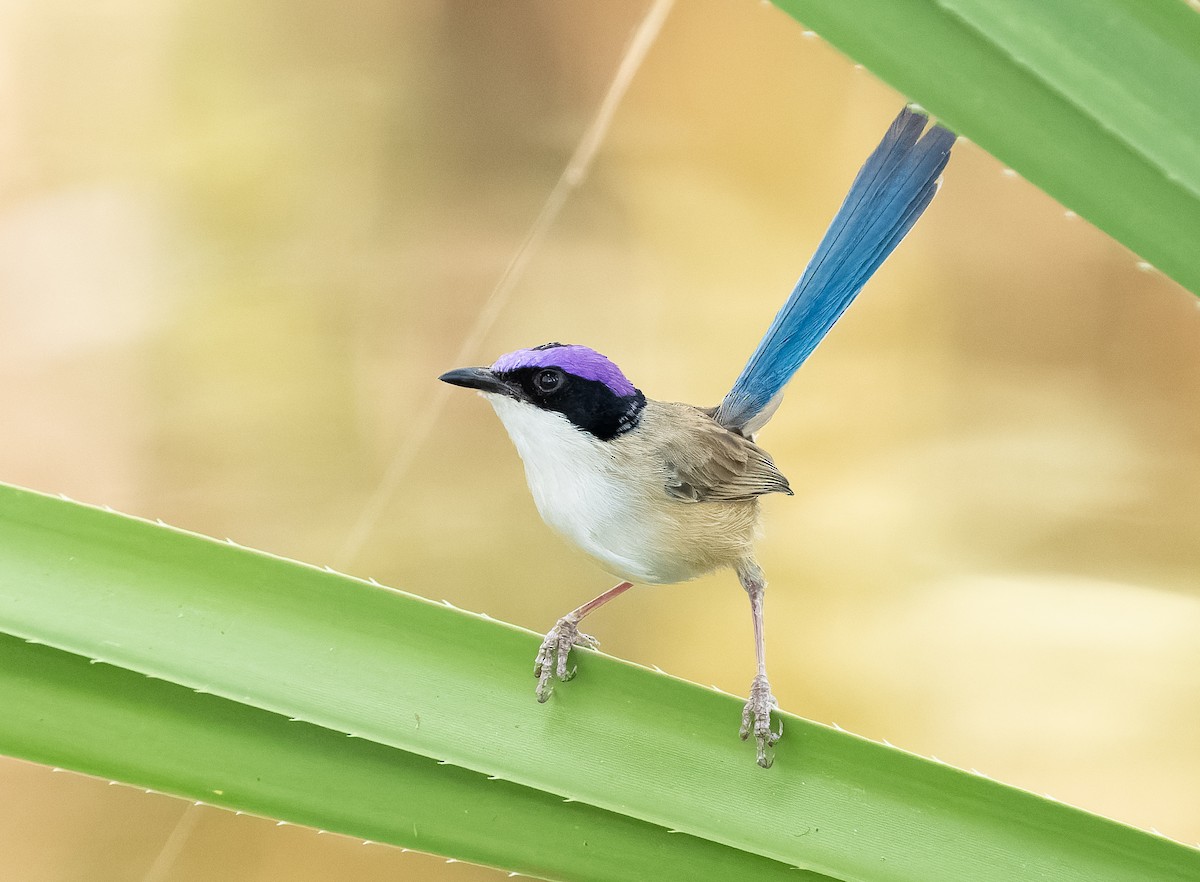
x=552, y=657
x=756, y=719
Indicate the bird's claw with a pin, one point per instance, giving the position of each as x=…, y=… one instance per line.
x=556, y=648
x=756, y=719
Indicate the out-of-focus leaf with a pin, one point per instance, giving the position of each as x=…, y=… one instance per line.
x=1094, y=101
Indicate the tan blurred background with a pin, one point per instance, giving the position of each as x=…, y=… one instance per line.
x=238, y=242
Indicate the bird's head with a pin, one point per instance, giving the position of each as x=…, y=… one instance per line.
x=573, y=381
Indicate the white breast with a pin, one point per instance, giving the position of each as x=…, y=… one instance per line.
x=579, y=491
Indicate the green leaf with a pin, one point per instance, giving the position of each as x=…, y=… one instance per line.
x=418, y=682
x=168, y=738
x=1093, y=102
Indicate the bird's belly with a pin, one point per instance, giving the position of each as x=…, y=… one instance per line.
x=604, y=520
x=620, y=515
x=641, y=536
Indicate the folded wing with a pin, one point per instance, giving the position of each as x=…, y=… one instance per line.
x=706, y=462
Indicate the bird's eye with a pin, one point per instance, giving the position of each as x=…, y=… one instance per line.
x=548, y=380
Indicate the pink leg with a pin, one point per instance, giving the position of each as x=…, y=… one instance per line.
x=756, y=716
x=552, y=657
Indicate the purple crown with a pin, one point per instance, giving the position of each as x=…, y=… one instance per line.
x=578, y=360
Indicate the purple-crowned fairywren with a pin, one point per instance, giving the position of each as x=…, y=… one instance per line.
x=660, y=492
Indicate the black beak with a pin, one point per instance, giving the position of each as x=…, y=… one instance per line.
x=478, y=378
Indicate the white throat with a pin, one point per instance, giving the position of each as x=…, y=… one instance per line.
x=576, y=485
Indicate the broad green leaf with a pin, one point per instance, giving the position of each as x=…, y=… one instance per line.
x=64, y=711
x=1094, y=102
x=411, y=677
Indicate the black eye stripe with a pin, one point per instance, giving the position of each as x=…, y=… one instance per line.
x=590, y=405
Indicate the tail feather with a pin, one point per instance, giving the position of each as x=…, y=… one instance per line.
x=890, y=192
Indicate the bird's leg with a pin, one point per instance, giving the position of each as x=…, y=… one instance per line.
x=756, y=716
x=552, y=657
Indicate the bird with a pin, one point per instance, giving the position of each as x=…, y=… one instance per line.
x=660, y=492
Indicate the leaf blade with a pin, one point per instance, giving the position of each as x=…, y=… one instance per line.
x=226, y=754
x=351, y=657
x=1129, y=168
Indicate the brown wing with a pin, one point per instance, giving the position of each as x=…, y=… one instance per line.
x=707, y=462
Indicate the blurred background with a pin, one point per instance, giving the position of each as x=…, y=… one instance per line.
x=238, y=242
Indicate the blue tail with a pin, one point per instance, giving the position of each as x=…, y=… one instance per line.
x=892, y=189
